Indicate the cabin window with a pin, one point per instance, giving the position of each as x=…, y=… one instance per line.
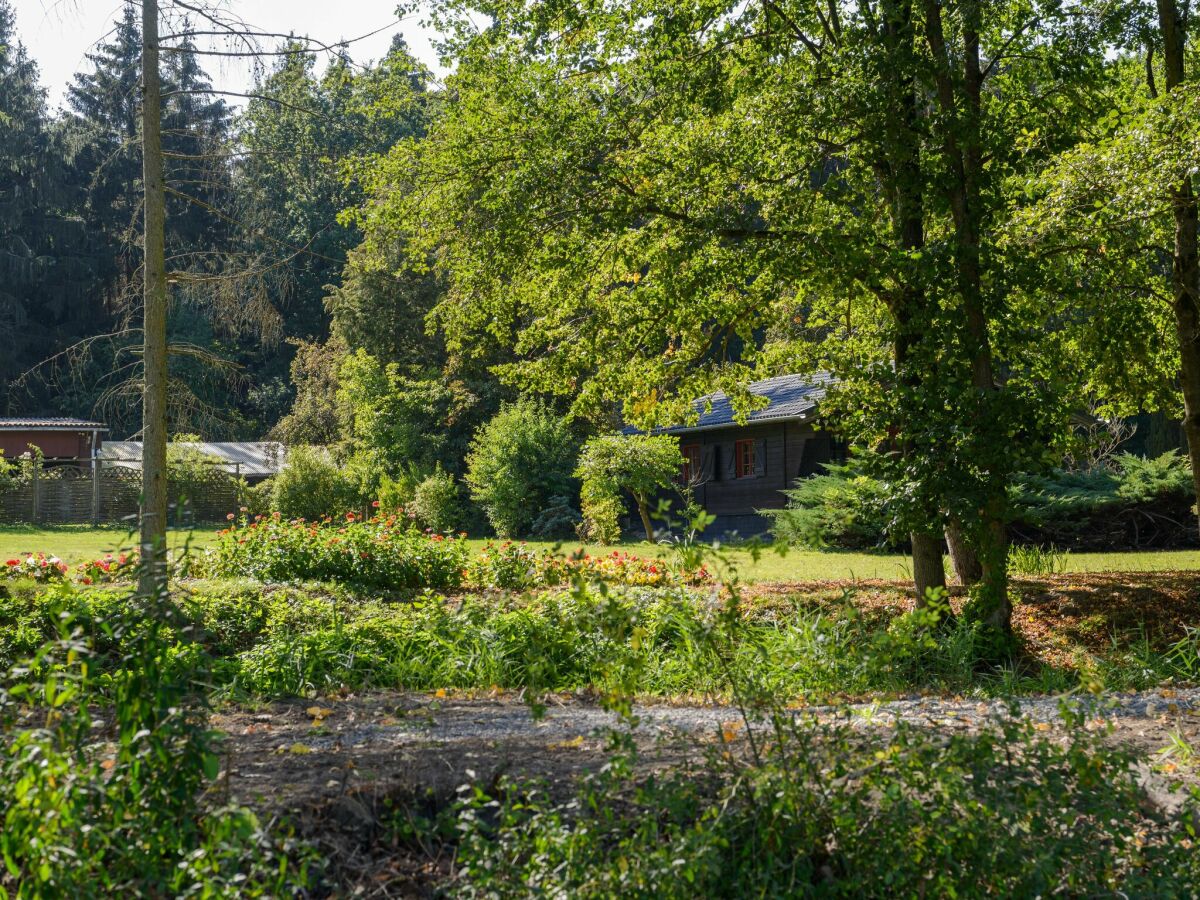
x=691, y=463
x=743, y=459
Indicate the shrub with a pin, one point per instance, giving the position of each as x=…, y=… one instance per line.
x=639, y=465
x=81, y=819
x=6, y=474
x=1136, y=503
x=518, y=461
x=312, y=485
x=376, y=554
x=842, y=508
x=560, y=519
x=436, y=502
x=36, y=567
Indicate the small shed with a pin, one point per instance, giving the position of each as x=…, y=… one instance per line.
x=255, y=461
x=60, y=439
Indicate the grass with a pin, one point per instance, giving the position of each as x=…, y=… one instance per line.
x=77, y=544
x=818, y=565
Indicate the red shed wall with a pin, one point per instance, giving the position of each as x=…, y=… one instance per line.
x=53, y=444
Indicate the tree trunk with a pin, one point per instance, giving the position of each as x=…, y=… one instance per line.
x=967, y=567
x=644, y=512
x=153, y=580
x=964, y=156
x=903, y=172
x=929, y=570
x=1185, y=263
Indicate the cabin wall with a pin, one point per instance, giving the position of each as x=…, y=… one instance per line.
x=789, y=450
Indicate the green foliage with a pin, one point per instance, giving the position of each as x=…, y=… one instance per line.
x=640, y=465
x=833, y=814
x=437, y=503
x=82, y=819
x=518, y=461
x=559, y=519
x=393, y=417
x=849, y=509
x=312, y=486
x=376, y=554
x=844, y=508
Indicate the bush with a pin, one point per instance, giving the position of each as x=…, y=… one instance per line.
x=639, y=465
x=311, y=486
x=843, y=508
x=519, y=461
x=376, y=554
x=81, y=819
x=1137, y=503
x=560, y=519
x=436, y=502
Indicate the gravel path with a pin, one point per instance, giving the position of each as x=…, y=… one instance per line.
x=401, y=720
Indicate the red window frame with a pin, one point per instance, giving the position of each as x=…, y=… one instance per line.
x=691, y=462
x=743, y=458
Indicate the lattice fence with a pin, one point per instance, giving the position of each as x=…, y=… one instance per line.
x=80, y=493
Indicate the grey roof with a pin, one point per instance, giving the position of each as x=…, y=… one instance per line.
x=51, y=424
x=790, y=398
x=251, y=459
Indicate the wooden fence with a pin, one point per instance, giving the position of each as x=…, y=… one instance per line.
x=87, y=492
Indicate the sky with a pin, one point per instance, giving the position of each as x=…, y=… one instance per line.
x=59, y=33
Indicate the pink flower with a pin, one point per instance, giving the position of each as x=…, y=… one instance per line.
x=229, y=518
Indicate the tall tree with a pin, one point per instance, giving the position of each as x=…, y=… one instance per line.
x=48, y=260
x=1116, y=226
x=656, y=199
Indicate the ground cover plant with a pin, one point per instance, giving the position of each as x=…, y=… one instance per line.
x=812, y=641
x=103, y=764
x=814, y=809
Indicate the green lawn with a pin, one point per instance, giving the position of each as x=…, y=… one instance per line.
x=813, y=565
x=78, y=544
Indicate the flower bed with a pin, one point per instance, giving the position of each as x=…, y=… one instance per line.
x=376, y=553
x=36, y=566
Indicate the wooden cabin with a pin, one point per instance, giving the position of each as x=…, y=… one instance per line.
x=735, y=470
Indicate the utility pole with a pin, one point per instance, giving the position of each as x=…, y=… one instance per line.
x=153, y=580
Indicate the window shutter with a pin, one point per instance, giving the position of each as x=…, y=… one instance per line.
x=760, y=458
x=708, y=463
x=728, y=462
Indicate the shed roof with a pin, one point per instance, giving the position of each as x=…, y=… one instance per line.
x=789, y=398
x=51, y=424
x=252, y=459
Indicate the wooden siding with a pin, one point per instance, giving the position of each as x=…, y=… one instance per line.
x=790, y=450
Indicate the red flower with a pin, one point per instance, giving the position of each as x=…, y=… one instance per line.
x=350, y=517
x=375, y=504
x=13, y=562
